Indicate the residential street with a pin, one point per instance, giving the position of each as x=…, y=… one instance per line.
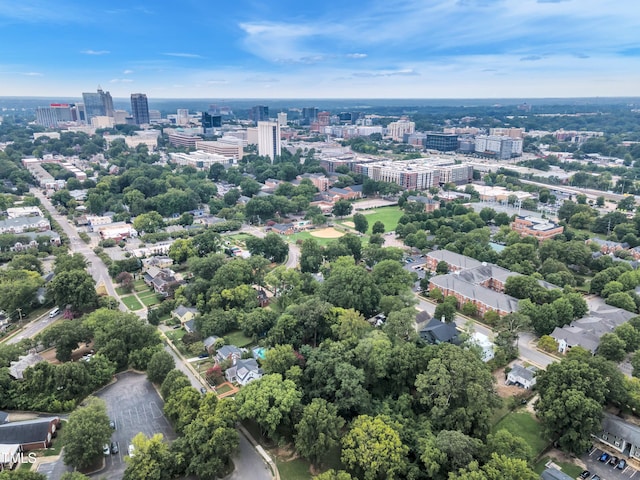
x=34, y=328
x=528, y=352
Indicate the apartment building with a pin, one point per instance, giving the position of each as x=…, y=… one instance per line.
x=540, y=228
x=200, y=160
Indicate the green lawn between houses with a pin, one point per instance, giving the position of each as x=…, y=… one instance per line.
x=522, y=424
x=237, y=338
x=131, y=302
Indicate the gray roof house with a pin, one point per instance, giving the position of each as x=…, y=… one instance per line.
x=586, y=331
x=436, y=332
x=210, y=342
x=620, y=435
x=228, y=352
x=30, y=434
x=555, y=474
x=243, y=372
x=521, y=375
x=16, y=369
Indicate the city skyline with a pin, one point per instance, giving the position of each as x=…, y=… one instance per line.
x=402, y=49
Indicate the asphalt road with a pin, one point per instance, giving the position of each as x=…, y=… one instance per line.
x=34, y=328
x=96, y=266
x=528, y=351
x=248, y=464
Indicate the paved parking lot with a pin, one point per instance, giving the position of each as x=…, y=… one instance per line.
x=136, y=407
x=606, y=471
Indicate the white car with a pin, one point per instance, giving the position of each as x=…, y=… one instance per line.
x=131, y=450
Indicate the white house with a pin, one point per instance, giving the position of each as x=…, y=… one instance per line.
x=484, y=344
x=243, y=372
x=522, y=376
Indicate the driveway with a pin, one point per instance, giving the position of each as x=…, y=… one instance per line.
x=136, y=407
x=606, y=471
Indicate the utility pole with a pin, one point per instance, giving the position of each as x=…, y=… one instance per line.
x=19, y=310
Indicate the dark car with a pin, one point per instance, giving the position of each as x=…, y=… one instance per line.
x=613, y=461
x=203, y=355
x=595, y=477
x=114, y=448
x=585, y=474
x=622, y=464
x=604, y=457
x=203, y=390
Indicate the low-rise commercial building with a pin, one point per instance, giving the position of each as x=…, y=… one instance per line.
x=539, y=228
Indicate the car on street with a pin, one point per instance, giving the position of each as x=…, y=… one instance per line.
x=604, y=457
x=114, y=448
x=105, y=449
x=112, y=424
x=203, y=390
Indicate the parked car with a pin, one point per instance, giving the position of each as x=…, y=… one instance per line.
x=604, y=457
x=131, y=450
x=585, y=474
x=613, y=461
x=203, y=355
x=595, y=477
x=622, y=464
x=114, y=448
x=105, y=449
x=203, y=390
x=112, y=424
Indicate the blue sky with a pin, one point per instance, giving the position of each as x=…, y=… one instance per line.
x=321, y=49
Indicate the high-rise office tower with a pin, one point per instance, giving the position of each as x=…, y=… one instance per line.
x=259, y=113
x=309, y=114
x=282, y=119
x=269, y=140
x=99, y=104
x=139, y=108
x=210, y=121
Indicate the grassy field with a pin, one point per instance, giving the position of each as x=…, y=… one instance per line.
x=297, y=469
x=387, y=215
x=237, y=238
x=140, y=286
x=175, y=335
x=150, y=300
x=223, y=389
x=569, y=468
x=524, y=425
x=304, y=235
x=237, y=338
x=131, y=302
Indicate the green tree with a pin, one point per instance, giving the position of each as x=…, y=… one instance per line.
x=310, y=256
x=612, y=347
x=446, y=309
x=75, y=288
x=373, y=449
x=351, y=286
x=503, y=442
x=85, y=434
x=66, y=263
x=442, y=268
x=361, y=224
x=65, y=337
x=548, y=344
x=334, y=475
x=174, y=381
x=269, y=402
x=181, y=250
x=456, y=390
x=148, y=222
x=499, y=467
x=318, y=431
x=391, y=278
x=159, y=366
x=152, y=459
x=629, y=335
x=378, y=227
x=622, y=300
x=182, y=407
x=342, y=208
x=279, y=359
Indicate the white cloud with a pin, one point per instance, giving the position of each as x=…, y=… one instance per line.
x=356, y=55
x=121, y=80
x=182, y=55
x=95, y=52
x=127, y=72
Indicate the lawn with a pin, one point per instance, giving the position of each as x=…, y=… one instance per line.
x=140, y=286
x=237, y=338
x=387, y=215
x=150, y=300
x=131, y=302
x=297, y=469
x=304, y=235
x=175, y=335
x=237, y=238
x=569, y=468
x=524, y=425
x=223, y=389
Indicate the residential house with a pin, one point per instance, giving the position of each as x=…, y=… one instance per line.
x=454, y=261
x=620, y=435
x=608, y=246
x=32, y=237
x=16, y=212
x=184, y=314
x=189, y=326
x=522, y=376
x=484, y=345
x=586, y=331
x=539, y=228
x=159, y=261
x=95, y=221
x=9, y=456
x=283, y=228
x=17, y=368
x=24, y=224
x=228, y=352
x=318, y=180
x=243, y=372
x=210, y=342
x=30, y=434
x=430, y=205
x=436, y=332
x=555, y=474
x=163, y=281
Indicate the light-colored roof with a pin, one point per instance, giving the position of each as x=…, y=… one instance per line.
x=618, y=427
x=491, y=298
x=455, y=259
x=181, y=311
x=16, y=369
x=519, y=371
